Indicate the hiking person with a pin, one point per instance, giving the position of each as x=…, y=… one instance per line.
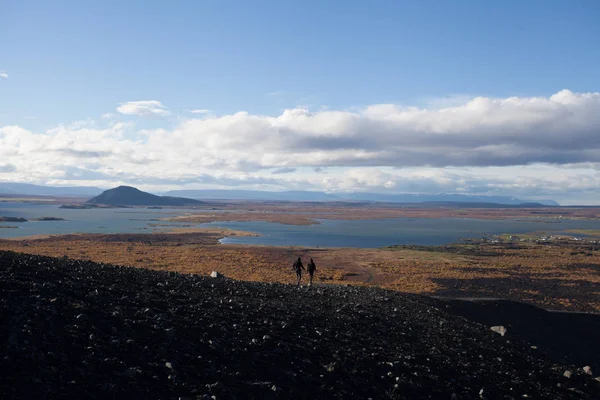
x=311, y=268
x=298, y=267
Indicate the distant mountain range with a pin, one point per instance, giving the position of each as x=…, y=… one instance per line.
x=297, y=195
x=39, y=190
x=363, y=197
x=130, y=196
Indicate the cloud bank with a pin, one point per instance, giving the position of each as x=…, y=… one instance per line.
x=3, y=74
x=383, y=146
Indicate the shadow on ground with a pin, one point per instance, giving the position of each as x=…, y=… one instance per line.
x=564, y=337
x=556, y=293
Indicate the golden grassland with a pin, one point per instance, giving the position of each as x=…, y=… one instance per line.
x=562, y=275
x=306, y=214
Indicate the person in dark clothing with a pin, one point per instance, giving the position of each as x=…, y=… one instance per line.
x=298, y=267
x=311, y=268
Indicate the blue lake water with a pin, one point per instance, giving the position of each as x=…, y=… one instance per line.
x=378, y=233
x=329, y=233
x=107, y=220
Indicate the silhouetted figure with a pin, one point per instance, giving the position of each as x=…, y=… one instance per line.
x=311, y=268
x=298, y=267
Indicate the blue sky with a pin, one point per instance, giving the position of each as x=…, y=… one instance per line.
x=69, y=61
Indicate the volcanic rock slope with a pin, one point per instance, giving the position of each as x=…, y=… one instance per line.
x=76, y=329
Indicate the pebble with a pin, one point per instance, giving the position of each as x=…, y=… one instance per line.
x=131, y=372
x=499, y=329
x=567, y=374
x=215, y=387
x=587, y=369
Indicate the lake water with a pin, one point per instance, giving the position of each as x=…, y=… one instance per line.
x=378, y=233
x=100, y=220
x=329, y=233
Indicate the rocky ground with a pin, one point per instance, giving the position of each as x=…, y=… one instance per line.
x=77, y=329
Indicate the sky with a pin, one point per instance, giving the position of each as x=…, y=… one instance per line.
x=428, y=96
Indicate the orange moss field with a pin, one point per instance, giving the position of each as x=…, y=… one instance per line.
x=560, y=276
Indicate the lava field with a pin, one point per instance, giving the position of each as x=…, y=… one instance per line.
x=78, y=329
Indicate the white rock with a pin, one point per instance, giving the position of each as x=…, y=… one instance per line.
x=499, y=329
x=215, y=274
x=567, y=374
x=587, y=369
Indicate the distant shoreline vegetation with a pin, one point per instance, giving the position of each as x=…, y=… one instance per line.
x=86, y=206
x=20, y=219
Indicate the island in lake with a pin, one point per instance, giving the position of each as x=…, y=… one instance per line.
x=12, y=219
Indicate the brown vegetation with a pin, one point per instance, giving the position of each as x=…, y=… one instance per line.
x=307, y=214
x=563, y=275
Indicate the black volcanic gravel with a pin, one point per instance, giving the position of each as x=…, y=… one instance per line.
x=77, y=329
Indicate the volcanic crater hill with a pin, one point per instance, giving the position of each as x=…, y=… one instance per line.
x=77, y=329
x=130, y=196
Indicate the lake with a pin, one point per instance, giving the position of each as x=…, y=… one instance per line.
x=379, y=233
x=99, y=220
x=329, y=233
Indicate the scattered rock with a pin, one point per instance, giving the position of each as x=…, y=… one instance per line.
x=215, y=387
x=567, y=374
x=215, y=274
x=312, y=346
x=588, y=370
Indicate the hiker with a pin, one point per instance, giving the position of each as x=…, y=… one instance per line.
x=298, y=267
x=311, y=268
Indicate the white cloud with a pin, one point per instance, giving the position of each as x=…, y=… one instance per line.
x=200, y=111
x=143, y=108
x=108, y=116
x=484, y=145
x=3, y=74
